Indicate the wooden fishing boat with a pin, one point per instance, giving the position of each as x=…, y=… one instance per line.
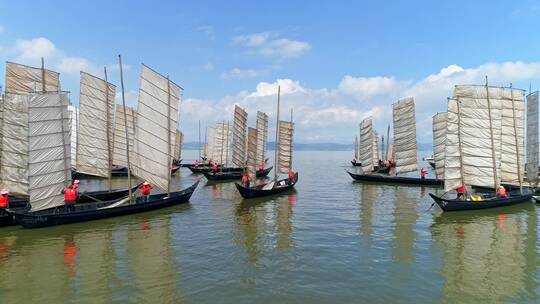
x=232, y=175
x=21, y=204
x=375, y=178
x=267, y=189
x=489, y=202
x=100, y=210
x=356, y=164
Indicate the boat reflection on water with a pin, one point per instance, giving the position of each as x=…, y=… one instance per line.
x=488, y=256
x=405, y=216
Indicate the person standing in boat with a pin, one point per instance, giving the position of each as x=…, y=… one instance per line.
x=261, y=166
x=461, y=192
x=76, y=185
x=70, y=197
x=292, y=175
x=196, y=164
x=214, y=167
x=245, y=180
x=146, y=188
x=501, y=192
x=4, y=199
x=423, y=173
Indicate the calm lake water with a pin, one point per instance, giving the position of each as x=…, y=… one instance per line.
x=331, y=241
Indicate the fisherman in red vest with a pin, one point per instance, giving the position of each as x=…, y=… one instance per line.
x=501, y=192
x=461, y=191
x=214, y=167
x=145, y=190
x=4, y=199
x=261, y=166
x=70, y=197
x=423, y=173
x=244, y=180
x=196, y=164
x=292, y=175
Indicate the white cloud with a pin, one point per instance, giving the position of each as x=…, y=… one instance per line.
x=333, y=114
x=237, y=73
x=209, y=67
x=269, y=44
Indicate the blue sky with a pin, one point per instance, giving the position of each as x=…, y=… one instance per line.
x=337, y=62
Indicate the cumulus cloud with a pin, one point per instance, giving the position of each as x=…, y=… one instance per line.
x=269, y=44
x=333, y=114
x=237, y=73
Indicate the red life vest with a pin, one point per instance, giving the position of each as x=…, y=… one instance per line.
x=70, y=194
x=4, y=201
x=291, y=176
x=196, y=163
x=145, y=189
x=214, y=167
x=461, y=189
x=261, y=167
x=423, y=173
x=244, y=179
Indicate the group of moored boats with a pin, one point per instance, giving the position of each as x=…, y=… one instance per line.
x=46, y=142
x=478, y=145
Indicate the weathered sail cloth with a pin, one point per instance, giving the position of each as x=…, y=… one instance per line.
x=356, y=149
x=532, y=138
x=473, y=141
x=96, y=115
x=14, y=173
x=48, y=148
x=375, y=148
x=119, y=140
x=179, y=139
x=367, y=148
x=74, y=118
x=209, y=146
x=252, y=143
x=405, y=136
x=155, y=129
x=239, y=137
x=285, y=147
x=22, y=79
x=222, y=143
x=512, y=148
x=262, y=136
x=439, y=139
x=1, y=132
x=390, y=154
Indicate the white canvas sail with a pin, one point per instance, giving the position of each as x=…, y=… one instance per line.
x=209, y=147
x=252, y=143
x=439, y=139
x=367, y=150
x=390, y=154
x=156, y=128
x=22, y=79
x=1, y=131
x=222, y=143
x=473, y=141
x=405, y=136
x=239, y=137
x=119, y=139
x=285, y=147
x=14, y=174
x=74, y=118
x=95, y=130
x=512, y=136
x=179, y=139
x=532, y=138
x=356, y=149
x=49, y=149
x=262, y=136
x=375, y=148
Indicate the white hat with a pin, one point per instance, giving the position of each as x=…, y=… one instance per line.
x=4, y=191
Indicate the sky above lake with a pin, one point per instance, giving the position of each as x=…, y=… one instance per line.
x=337, y=62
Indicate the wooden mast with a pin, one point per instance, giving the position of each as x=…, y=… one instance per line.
x=109, y=147
x=126, y=126
x=277, y=136
x=199, y=139
x=516, y=140
x=494, y=163
x=459, y=143
x=169, y=136
x=222, y=140
x=291, y=146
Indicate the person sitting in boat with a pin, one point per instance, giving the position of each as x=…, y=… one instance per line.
x=387, y=164
x=261, y=166
x=245, y=180
x=461, y=191
x=4, y=199
x=214, y=167
x=501, y=192
x=76, y=185
x=423, y=173
x=292, y=175
x=146, y=188
x=70, y=197
x=196, y=164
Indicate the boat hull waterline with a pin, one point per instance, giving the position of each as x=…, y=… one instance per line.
x=374, y=178
x=260, y=192
x=461, y=205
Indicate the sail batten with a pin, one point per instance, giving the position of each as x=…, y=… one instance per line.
x=155, y=130
x=405, y=136
x=96, y=113
x=367, y=149
x=239, y=137
x=512, y=136
x=285, y=146
x=22, y=79
x=532, y=139
x=439, y=141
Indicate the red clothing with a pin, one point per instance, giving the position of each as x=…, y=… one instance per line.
x=70, y=194
x=4, y=201
x=196, y=164
x=145, y=189
x=423, y=173
x=461, y=189
x=261, y=167
x=501, y=193
x=291, y=176
x=214, y=167
x=244, y=179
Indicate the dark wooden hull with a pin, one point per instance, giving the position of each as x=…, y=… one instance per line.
x=95, y=211
x=355, y=164
x=374, y=178
x=204, y=169
x=260, y=192
x=384, y=170
x=232, y=175
x=460, y=205
x=432, y=164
